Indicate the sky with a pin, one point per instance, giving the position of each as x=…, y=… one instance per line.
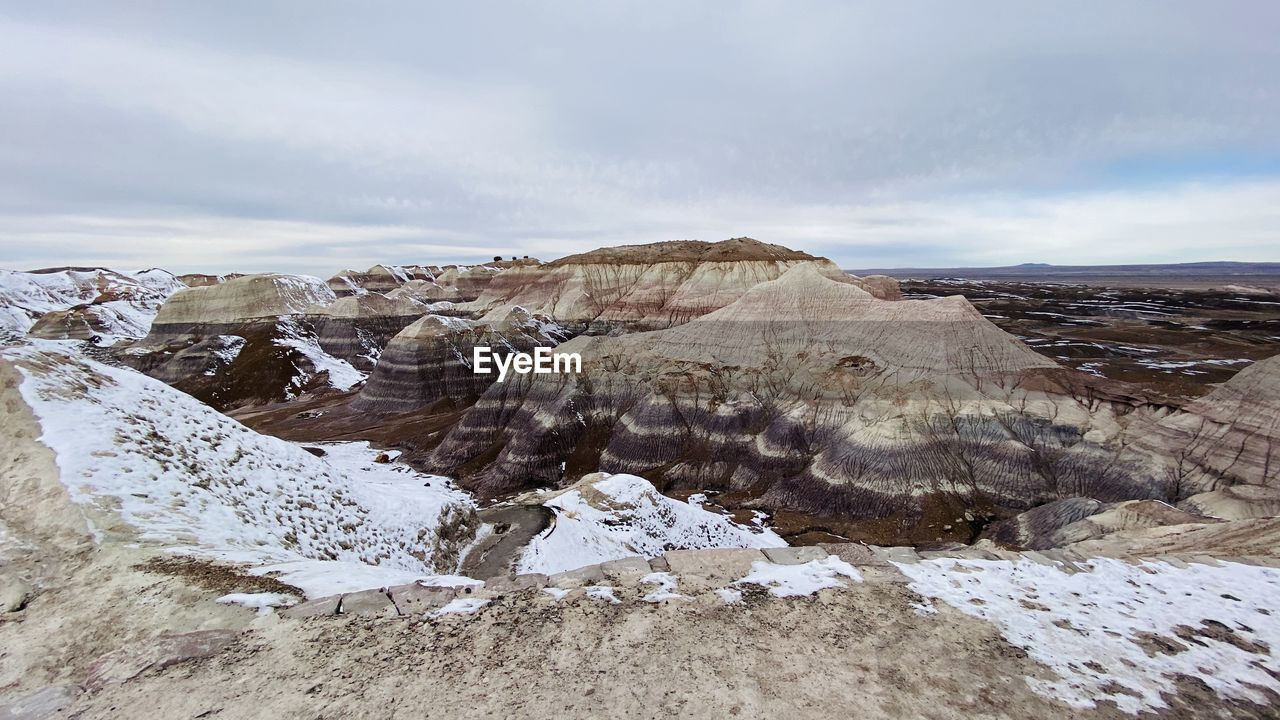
x=316, y=136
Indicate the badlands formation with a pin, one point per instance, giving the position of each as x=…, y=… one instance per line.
x=772, y=488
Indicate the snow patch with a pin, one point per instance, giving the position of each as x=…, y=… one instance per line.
x=730, y=596
x=666, y=583
x=602, y=592
x=262, y=602
x=800, y=580
x=626, y=516
x=1121, y=632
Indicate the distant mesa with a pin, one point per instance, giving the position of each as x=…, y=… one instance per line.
x=429, y=283
x=659, y=285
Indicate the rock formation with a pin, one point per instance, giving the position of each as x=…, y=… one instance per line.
x=1238, y=502
x=356, y=328
x=1230, y=436
x=640, y=287
x=81, y=303
x=426, y=283
x=242, y=299
x=201, y=279
x=811, y=395
x=431, y=359
x=247, y=341
x=1074, y=520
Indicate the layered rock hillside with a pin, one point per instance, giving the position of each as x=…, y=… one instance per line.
x=653, y=286
x=356, y=328
x=241, y=299
x=810, y=395
x=431, y=359
x=247, y=340
x=1229, y=437
x=429, y=283
x=83, y=303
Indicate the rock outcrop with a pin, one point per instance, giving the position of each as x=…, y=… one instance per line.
x=811, y=395
x=644, y=287
x=201, y=279
x=357, y=327
x=1239, y=502
x=248, y=341
x=431, y=359
x=1229, y=437
x=426, y=283
x=243, y=299
x=1062, y=523
x=82, y=303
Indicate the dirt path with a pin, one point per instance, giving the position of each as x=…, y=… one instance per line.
x=515, y=526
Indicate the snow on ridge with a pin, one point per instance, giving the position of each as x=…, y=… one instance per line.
x=189, y=478
x=342, y=375
x=622, y=515
x=1121, y=632
x=25, y=296
x=299, y=292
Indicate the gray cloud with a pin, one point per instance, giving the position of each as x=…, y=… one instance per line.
x=247, y=136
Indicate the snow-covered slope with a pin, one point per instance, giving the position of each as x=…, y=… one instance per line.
x=123, y=303
x=607, y=517
x=1122, y=632
x=243, y=298
x=188, y=478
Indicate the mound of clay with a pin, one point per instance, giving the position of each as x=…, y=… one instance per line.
x=609, y=517
x=431, y=359
x=425, y=283
x=1240, y=502
x=356, y=328
x=1034, y=528
x=1230, y=436
x=1074, y=520
x=639, y=287
x=248, y=341
x=201, y=279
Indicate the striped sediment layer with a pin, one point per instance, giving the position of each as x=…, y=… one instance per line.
x=646, y=287
x=225, y=365
x=431, y=359
x=1229, y=437
x=357, y=328
x=241, y=299
x=428, y=283
x=811, y=395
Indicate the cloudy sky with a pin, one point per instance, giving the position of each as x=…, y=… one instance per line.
x=311, y=136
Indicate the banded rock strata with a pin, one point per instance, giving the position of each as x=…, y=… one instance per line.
x=241, y=341
x=654, y=286
x=812, y=395
x=1229, y=437
x=431, y=359
x=357, y=327
x=429, y=283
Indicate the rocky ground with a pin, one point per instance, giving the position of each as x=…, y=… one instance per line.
x=866, y=647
